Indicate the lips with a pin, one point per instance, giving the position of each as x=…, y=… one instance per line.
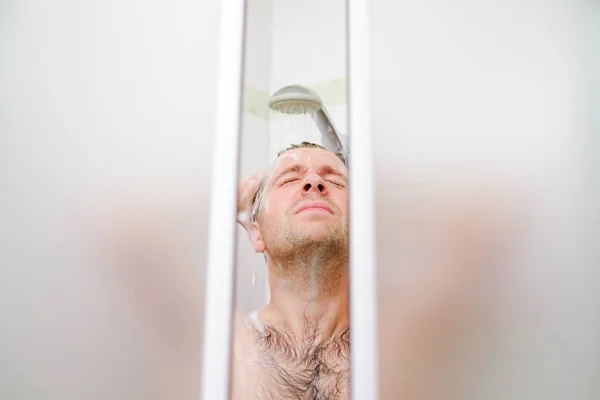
x=316, y=206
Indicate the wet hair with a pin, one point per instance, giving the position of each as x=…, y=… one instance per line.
x=304, y=145
x=309, y=145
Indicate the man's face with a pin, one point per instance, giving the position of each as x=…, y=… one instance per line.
x=305, y=201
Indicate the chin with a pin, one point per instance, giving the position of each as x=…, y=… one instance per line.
x=317, y=233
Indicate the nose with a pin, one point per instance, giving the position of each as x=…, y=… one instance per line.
x=314, y=183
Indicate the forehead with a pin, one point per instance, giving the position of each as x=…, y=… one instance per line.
x=308, y=157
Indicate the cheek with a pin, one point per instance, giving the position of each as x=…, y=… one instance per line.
x=275, y=204
x=341, y=200
x=286, y=199
x=265, y=205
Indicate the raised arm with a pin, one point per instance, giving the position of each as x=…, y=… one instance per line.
x=246, y=195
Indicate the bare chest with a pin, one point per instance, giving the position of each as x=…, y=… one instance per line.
x=278, y=368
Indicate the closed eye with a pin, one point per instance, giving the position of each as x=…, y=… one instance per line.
x=290, y=180
x=336, y=183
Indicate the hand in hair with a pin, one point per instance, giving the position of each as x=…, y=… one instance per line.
x=246, y=195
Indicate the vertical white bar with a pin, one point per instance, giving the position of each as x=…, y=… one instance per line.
x=363, y=276
x=220, y=269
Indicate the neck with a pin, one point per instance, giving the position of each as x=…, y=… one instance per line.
x=308, y=298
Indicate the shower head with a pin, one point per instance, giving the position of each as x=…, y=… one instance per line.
x=298, y=99
x=295, y=99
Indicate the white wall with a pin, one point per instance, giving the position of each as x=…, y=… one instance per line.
x=309, y=42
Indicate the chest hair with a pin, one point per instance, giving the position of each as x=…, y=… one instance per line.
x=306, y=368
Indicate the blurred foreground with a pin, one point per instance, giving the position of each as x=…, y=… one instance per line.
x=487, y=149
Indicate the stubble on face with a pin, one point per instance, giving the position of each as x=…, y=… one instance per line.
x=311, y=253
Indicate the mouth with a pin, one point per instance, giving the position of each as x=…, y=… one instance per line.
x=315, y=206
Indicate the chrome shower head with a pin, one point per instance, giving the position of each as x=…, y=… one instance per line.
x=295, y=99
x=298, y=99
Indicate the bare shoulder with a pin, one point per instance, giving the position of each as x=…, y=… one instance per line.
x=244, y=377
x=246, y=332
x=246, y=326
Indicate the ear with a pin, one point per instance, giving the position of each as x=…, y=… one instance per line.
x=256, y=238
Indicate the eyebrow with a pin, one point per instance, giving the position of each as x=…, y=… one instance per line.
x=329, y=170
x=322, y=170
x=293, y=168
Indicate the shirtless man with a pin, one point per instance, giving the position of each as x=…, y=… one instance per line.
x=296, y=214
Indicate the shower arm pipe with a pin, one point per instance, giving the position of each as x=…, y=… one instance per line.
x=329, y=133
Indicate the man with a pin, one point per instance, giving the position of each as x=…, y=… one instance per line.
x=298, y=346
